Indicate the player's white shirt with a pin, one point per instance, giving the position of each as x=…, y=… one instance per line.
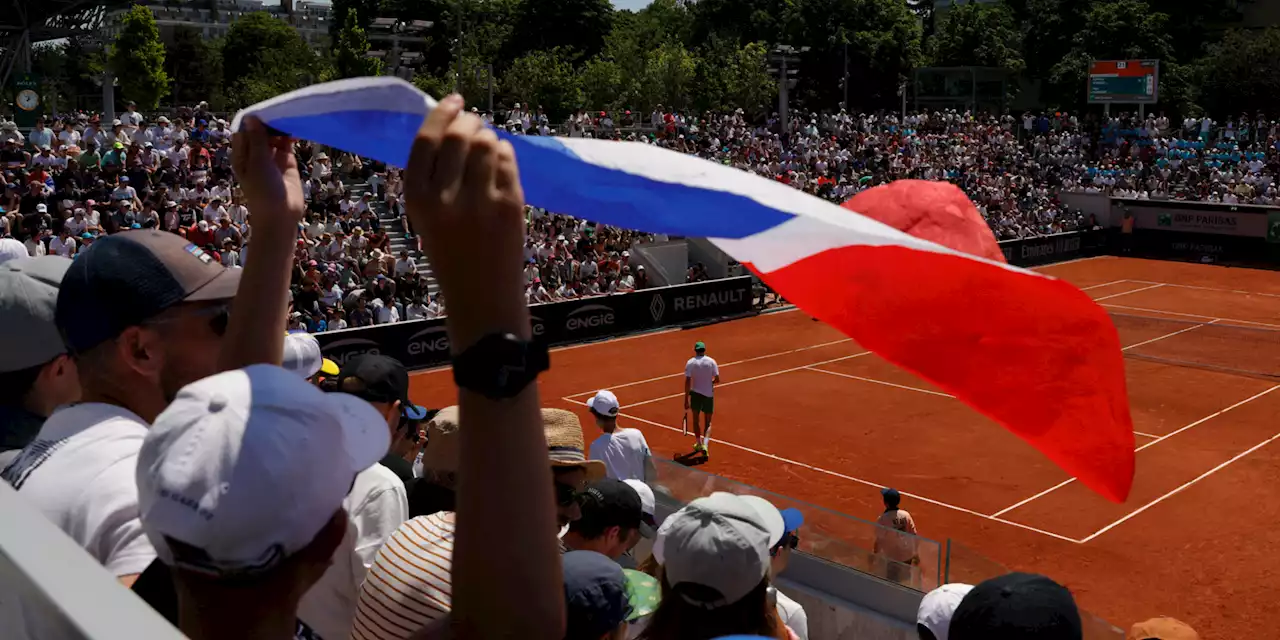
x=701, y=371
x=623, y=453
x=80, y=473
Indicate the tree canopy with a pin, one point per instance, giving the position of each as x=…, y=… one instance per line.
x=702, y=54
x=137, y=58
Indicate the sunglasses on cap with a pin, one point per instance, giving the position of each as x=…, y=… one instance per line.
x=567, y=495
x=790, y=541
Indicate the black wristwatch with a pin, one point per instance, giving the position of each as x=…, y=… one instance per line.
x=500, y=365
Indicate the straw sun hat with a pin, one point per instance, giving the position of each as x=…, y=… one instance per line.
x=565, y=445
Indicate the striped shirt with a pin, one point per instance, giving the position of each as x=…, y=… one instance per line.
x=410, y=583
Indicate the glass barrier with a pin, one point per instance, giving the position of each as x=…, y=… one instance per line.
x=826, y=534
x=962, y=564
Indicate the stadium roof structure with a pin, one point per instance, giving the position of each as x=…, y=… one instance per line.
x=24, y=22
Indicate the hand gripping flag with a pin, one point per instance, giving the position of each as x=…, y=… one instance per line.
x=1031, y=352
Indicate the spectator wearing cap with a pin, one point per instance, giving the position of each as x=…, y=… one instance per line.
x=612, y=515
x=789, y=611
x=1017, y=606
x=715, y=570
x=142, y=316
x=384, y=382
x=302, y=356
x=933, y=616
x=648, y=521
x=624, y=452
x=896, y=537
x=11, y=249
x=596, y=594
x=280, y=455
x=1162, y=629
x=36, y=376
x=411, y=584
x=377, y=503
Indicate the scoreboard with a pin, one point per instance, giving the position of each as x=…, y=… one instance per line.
x=1124, y=81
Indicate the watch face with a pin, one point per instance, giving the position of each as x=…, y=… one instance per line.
x=28, y=99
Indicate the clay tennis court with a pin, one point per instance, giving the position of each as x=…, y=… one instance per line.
x=805, y=412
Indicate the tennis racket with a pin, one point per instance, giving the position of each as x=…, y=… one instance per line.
x=684, y=424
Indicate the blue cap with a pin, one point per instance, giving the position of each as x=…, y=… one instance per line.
x=792, y=519
x=86, y=236
x=891, y=494
x=595, y=592
x=135, y=226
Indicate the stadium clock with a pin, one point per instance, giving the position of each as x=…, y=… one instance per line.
x=28, y=100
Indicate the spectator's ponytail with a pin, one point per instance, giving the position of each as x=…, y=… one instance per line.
x=676, y=617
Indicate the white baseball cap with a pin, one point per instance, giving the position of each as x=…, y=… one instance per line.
x=646, y=506
x=245, y=467
x=604, y=403
x=720, y=542
x=939, y=605
x=302, y=356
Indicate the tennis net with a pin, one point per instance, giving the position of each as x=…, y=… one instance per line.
x=1216, y=345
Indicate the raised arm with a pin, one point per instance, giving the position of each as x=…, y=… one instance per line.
x=462, y=182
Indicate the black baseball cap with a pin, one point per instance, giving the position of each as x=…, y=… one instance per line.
x=379, y=378
x=124, y=279
x=1017, y=606
x=595, y=594
x=609, y=502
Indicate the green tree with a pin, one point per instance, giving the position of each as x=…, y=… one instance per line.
x=350, y=47
x=668, y=78
x=577, y=27
x=544, y=79
x=137, y=58
x=1240, y=74
x=602, y=84
x=1112, y=30
x=977, y=35
x=730, y=77
x=195, y=66
x=263, y=57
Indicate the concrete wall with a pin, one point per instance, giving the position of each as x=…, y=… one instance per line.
x=716, y=261
x=666, y=262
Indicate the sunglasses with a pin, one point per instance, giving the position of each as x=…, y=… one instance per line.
x=218, y=315
x=789, y=541
x=567, y=495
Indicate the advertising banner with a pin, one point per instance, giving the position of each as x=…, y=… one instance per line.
x=425, y=343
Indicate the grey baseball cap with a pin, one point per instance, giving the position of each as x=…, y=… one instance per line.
x=28, y=300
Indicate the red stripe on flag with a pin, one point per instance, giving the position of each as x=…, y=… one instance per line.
x=1033, y=353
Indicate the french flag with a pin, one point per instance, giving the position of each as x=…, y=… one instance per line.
x=908, y=270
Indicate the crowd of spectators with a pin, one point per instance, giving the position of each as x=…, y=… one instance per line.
x=155, y=409
x=72, y=180
x=1012, y=166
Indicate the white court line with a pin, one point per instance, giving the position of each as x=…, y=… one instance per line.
x=1192, y=315
x=1180, y=489
x=1105, y=284
x=733, y=382
x=1125, y=293
x=1168, y=335
x=1147, y=445
x=887, y=384
x=729, y=364
x=1045, y=266
x=1192, y=286
x=1145, y=435
x=857, y=480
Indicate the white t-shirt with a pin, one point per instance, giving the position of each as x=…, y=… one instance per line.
x=623, y=453
x=79, y=472
x=376, y=507
x=701, y=370
x=792, y=613
x=65, y=248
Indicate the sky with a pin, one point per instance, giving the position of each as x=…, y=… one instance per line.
x=634, y=5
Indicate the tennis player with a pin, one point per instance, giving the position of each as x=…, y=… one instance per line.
x=701, y=374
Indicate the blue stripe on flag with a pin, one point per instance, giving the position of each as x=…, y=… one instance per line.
x=557, y=180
